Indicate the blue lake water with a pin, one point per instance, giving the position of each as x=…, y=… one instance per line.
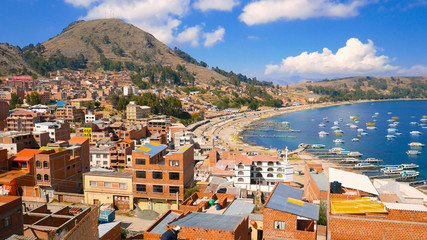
x=374, y=144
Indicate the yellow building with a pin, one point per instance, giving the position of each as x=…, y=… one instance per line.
x=82, y=102
x=113, y=188
x=134, y=111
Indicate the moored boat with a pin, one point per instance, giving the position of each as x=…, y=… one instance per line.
x=370, y=124
x=416, y=144
x=364, y=165
x=415, y=133
x=413, y=152
x=407, y=166
x=354, y=154
x=323, y=133
x=338, y=141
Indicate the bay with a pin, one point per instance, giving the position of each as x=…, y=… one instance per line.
x=374, y=144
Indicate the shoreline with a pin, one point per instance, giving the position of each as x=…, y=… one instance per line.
x=227, y=132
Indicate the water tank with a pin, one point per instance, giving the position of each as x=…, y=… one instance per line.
x=335, y=187
x=218, y=207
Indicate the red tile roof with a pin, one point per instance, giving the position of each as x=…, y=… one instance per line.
x=25, y=154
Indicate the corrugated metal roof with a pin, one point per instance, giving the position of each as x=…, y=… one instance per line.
x=109, y=174
x=357, y=206
x=151, y=148
x=239, y=207
x=208, y=221
x=161, y=225
x=405, y=206
x=105, y=228
x=352, y=180
x=287, y=199
x=320, y=180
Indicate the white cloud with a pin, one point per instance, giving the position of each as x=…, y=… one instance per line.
x=191, y=35
x=81, y=3
x=417, y=70
x=220, y=5
x=265, y=11
x=352, y=59
x=214, y=37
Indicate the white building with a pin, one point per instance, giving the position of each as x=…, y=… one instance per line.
x=261, y=172
x=100, y=157
x=92, y=117
x=59, y=130
x=130, y=90
x=183, y=138
x=134, y=111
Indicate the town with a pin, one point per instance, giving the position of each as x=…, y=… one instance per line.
x=74, y=167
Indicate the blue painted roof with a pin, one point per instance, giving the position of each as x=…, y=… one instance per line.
x=320, y=180
x=151, y=148
x=208, y=221
x=284, y=199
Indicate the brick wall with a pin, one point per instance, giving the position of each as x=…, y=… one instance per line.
x=69, y=197
x=114, y=234
x=87, y=228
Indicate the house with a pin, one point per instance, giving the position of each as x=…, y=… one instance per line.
x=134, y=111
x=22, y=121
x=59, y=130
x=10, y=216
x=113, y=188
x=286, y=216
x=121, y=154
x=315, y=183
x=100, y=157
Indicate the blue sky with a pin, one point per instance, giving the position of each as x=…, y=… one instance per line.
x=280, y=40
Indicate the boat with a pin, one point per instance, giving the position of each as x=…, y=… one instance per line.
x=393, y=125
x=390, y=120
x=349, y=160
x=413, y=152
x=317, y=146
x=339, y=131
x=360, y=130
x=407, y=166
x=413, y=123
x=416, y=144
x=423, y=119
x=322, y=125
x=338, y=134
x=410, y=174
x=391, y=130
x=335, y=127
x=325, y=118
x=371, y=127
x=398, y=133
x=340, y=119
x=373, y=160
x=389, y=113
x=415, y=133
x=390, y=136
x=338, y=141
x=323, y=133
x=364, y=165
x=354, y=154
x=364, y=133
x=395, y=118
x=391, y=170
x=335, y=150
x=359, y=136
x=370, y=124
x=353, y=126
x=355, y=140
x=336, y=122
x=377, y=113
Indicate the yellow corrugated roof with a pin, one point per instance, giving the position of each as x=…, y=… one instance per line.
x=296, y=201
x=145, y=149
x=155, y=143
x=183, y=149
x=358, y=206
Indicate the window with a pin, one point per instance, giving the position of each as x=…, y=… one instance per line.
x=240, y=180
x=173, y=176
x=157, y=175
x=46, y=177
x=258, y=175
x=108, y=184
x=269, y=175
x=157, y=189
x=92, y=183
x=39, y=177
x=259, y=163
x=241, y=166
x=280, y=169
x=105, y=162
x=259, y=169
x=141, y=174
x=122, y=185
x=173, y=189
x=45, y=164
x=279, y=175
x=105, y=155
x=174, y=163
x=240, y=173
x=6, y=222
x=279, y=225
x=270, y=169
x=38, y=164
x=270, y=164
x=98, y=155
x=140, y=161
x=141, y=188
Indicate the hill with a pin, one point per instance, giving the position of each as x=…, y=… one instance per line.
x=11, y=59
x=119, y=41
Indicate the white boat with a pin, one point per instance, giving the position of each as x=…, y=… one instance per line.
x=335, y=127
x=372, y=160
x=416, y=144
x=398, y=133
x=377, y=113
x=336, y=122
x=322, y=125
x=360, y=130
x=390, y=136
x=390, y=130
x=374, y=116
x=317, y=146
x=413, y=152
x=338, y=141
x=364, y=133
x=349, y=160
x=423, y=119
x=323, y=133
x=364, y=165
x=389, y=113
x=390, y=120
x=371, y=128
x=355, y=140
x=354, y=154
x=325, y=118
x=335, y=150
x=413, y=123
x=415, y=133
x=393, y=125
x=340, y=119
x=339, y=131
x=407, y=166
x=409, y=174
x=353, y=126
x=391, y=170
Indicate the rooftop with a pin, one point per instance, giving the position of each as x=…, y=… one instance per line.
x=404, y=206
x=78, y=140
x=288, y=199
x=352, y=180
x=239, y=207
x=208, y=221
x=106, y=227
x=151, y=148
x=320, y=180
x=161, y=224
x=25, y=154
x=9, y=176
x=357, y=206
x=109, y=174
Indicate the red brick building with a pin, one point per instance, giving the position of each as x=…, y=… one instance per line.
x=285, y=216
x=10, y=216
x=22, y=121
x=4, y=110
x=315, y=183
x=159, y=176
x=121, y=153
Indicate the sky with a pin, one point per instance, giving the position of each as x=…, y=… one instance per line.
x=285, y=41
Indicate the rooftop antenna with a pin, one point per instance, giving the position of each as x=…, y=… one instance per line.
x=285, y=159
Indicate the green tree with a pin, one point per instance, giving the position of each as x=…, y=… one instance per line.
x=253, y=105
x=14, y=101
x=33, y=98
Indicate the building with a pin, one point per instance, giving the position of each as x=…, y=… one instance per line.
x=183, y=138
x=121, y=154
x=114, y=188
x=315, y=183
x=92, y=117
x=69, y=113
x=100, y=157
x=80, y=146
x=10, y=216
x=50, y=221
x=159, y=126
x=22, y=121
x=159, y=177
x=130, y=90
x=134, y=111
x=15, y=141
x=58, y=131
x=82, y=102
x=285, y=216
x=4, y=110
